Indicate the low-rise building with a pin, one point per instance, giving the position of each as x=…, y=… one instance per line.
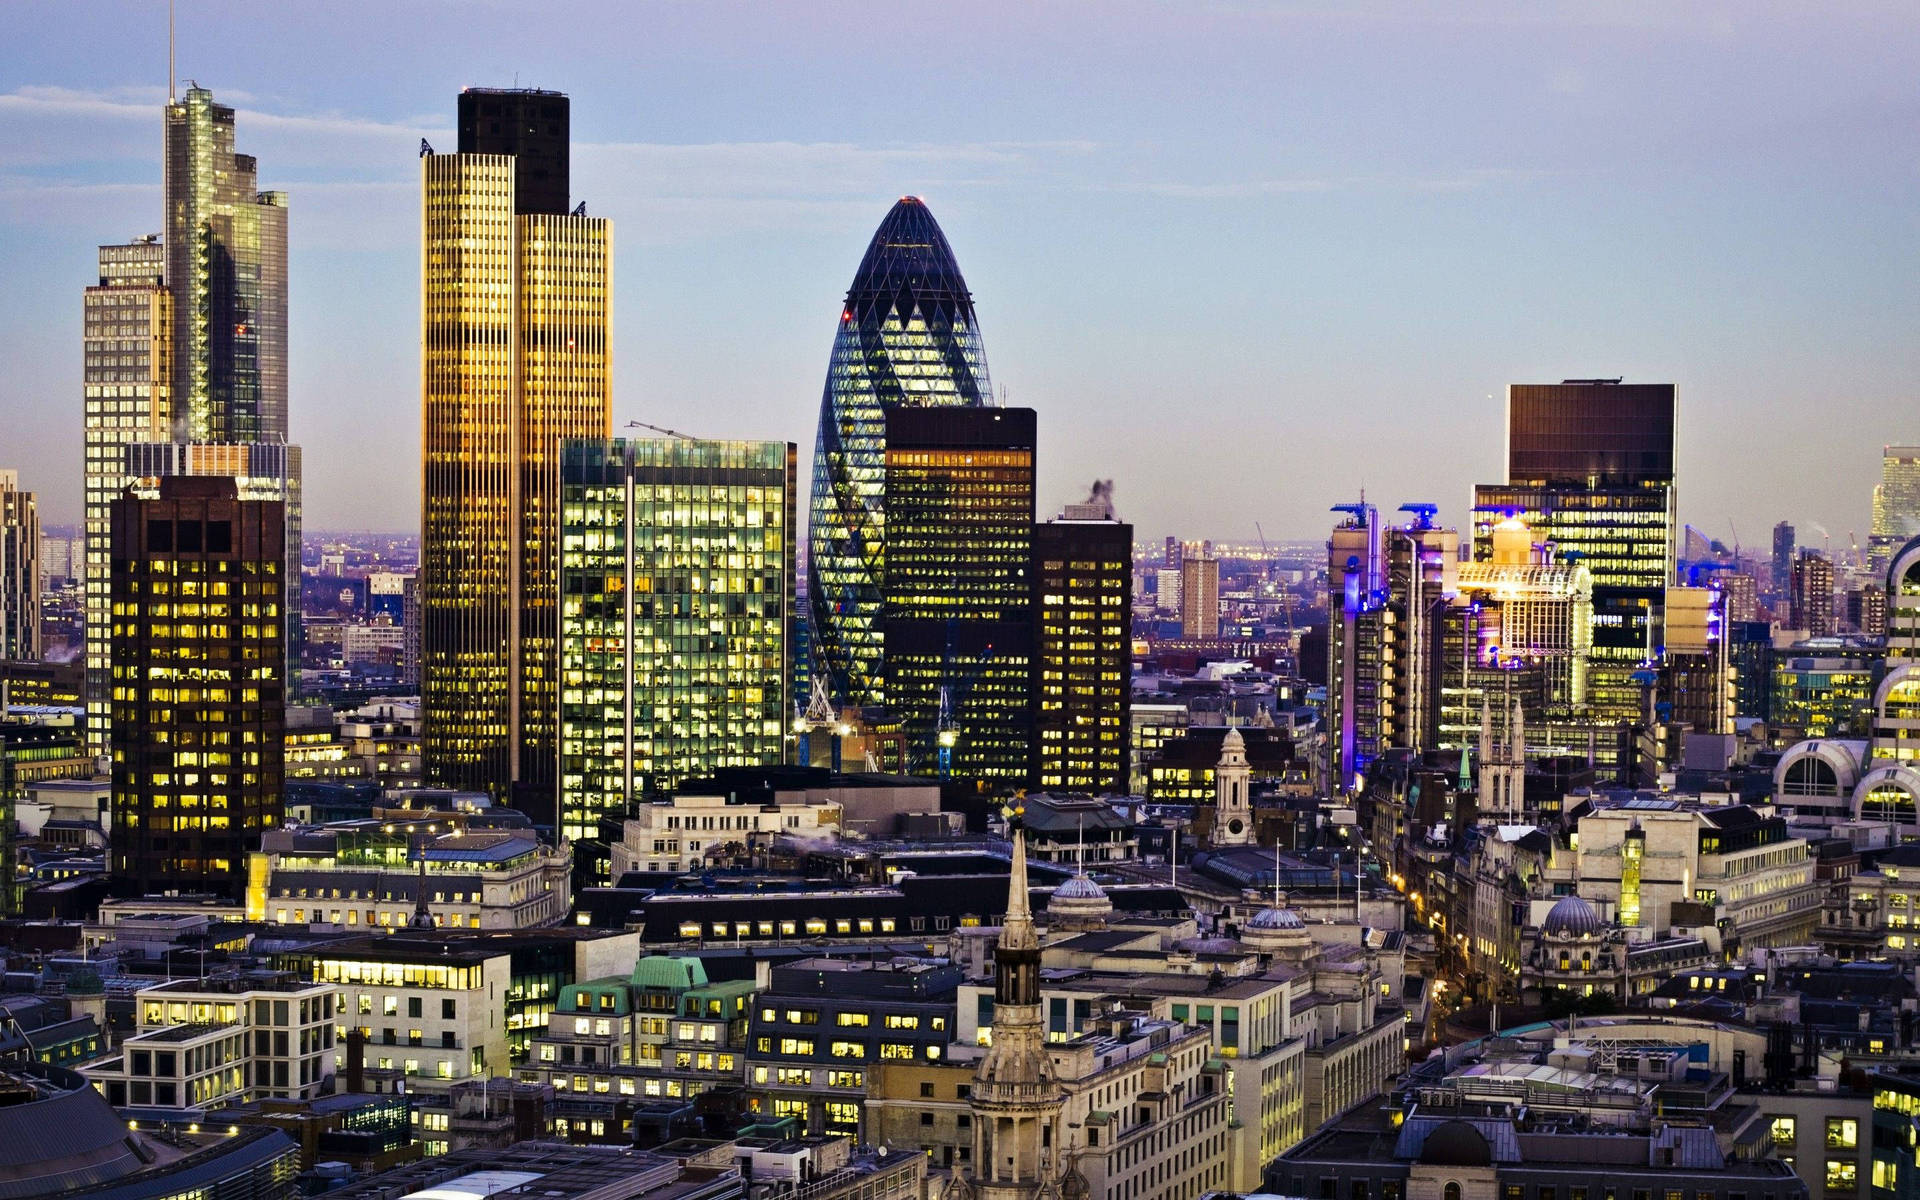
x=378, y=874
x=686, y=831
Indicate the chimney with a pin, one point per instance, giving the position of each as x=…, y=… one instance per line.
x=356, y=1061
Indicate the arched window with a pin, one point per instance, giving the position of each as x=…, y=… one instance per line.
x=1452, y=1192
x=1811, y=775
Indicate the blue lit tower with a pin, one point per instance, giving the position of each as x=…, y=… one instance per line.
x=907, y=339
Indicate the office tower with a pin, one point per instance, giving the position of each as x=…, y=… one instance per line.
x=1742, y=592
x=227, y=270
x=198, y=684
x=1782, y=559
x=1811, y=606
x=907, y=339
x=1082, y=650
x=127, y=379
x=1867, y=610
x=1896, y=504
x=1200, y=597
x=410, y=635
x=1173, y=554
x=1389, y=589
x=957, y=599
x=19, y=571
x=1590, y=470
x=1696, y=682
x=515, y=359
x=1520, y=629
x=676, y=610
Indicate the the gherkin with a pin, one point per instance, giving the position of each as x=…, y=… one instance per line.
x=907, y=338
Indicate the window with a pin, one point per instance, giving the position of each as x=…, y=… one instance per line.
x=1843, y=1133
x=926, y=1089
x=1842, y=1175
x=801, y=1046
x=851, y=1018
x=1783, y=1133
x=895, y=1050
x=926, y=1118
x=849, y=1049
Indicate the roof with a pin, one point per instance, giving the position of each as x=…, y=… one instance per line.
x=908, y=253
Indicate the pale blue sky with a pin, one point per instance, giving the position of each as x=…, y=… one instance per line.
x=1243, y=258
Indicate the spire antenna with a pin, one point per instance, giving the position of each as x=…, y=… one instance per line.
x=171, y=77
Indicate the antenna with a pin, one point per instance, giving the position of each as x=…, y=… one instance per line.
x=171, y=96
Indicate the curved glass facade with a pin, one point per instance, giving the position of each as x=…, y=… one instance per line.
x=907, y=338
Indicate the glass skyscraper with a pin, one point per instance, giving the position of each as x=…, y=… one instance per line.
x=957, y=600
x=907, y=339
x=515, y=359
x=1590, y=469
x=676, y=616
x=185, y=363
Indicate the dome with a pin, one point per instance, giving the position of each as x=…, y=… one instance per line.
x=1276, y=918
x=1456, y=1144
x=1233, y=740
x=1080, y=887
x=1573, y=917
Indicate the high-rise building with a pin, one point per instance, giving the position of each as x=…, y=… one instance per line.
x=19, y=571
x=676, y=610
x=410, y=631
x=1389, y=589
x=198, y=684
x=1742, y=592
x=1896, y=504
x=515, y=359
x=226, y=245
x=907, y=338
x=1811, y=606
x=1696, y=682
x=1867, y=610
x=127, y=378
x=1082, y=650
x=186, y=358
x=1200, y=597
x=957, y=600
x=1590, y=470
x=1782, y=559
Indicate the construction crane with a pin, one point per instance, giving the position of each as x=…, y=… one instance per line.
x=685, y=437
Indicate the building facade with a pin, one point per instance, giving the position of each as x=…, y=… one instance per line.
x=1082, y=651
x=19, y=570
x=1896, y=504
x=1811, y=606
x=676, y=616
x=1199, y=604
x=907, y=337
x=517, y=309
x=199, y=687
x=957, y=598
x=1590, y=470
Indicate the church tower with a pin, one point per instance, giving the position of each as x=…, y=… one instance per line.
x=1016, y=1101
x=1232, y=779
x=1503, y=767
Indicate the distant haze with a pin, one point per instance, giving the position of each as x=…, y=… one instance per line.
x=1243, y=258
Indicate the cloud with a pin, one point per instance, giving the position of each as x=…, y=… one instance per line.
x=1466, y=179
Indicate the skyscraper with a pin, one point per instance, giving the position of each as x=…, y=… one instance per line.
x=185, y=369
x=1590, y=469
x=1782, y=559
x=19, y=570
x=515, y=359
x=957, y=600
x=907, y=339
x=1200, y=597
x=676, y=610
x=1082, y=651
x=198, y=689
x=1896, y=504
x=127, y=378
x=227, y=269
x=1811, y=606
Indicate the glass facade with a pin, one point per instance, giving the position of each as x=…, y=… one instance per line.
x=1082, y=655
x=197, y=686
x=956, y=608
x=1624, y=536
x=1896, y=503
x=676, y=606
x=515, y=360
x=227, y=269
x=19, y=571
x=907, y=338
